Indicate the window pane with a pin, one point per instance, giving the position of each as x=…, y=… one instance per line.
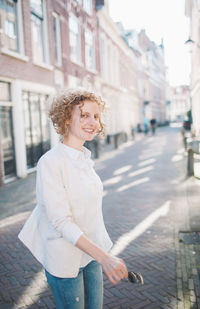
x=37, y=134
x=37, y=7
x=73, y=25
x=35, y=118
x=4, y=91
x=74, y=37
x=88, y=38
x=37, y=38
x=56, y=27
x=89, y=50
x=27, y=128
x=9, y=24
x=55, y=36
x=44, y=123
x=87, y=4
x=7, y=140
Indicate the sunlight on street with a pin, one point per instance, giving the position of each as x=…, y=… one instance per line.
x=127, y=238
x=133, y=184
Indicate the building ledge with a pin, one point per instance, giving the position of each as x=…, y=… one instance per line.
x=14, y=55
x=80, y=64
x=43, y=65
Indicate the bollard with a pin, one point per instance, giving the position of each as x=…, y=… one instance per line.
x=185, y=142
x=190, y=163
x=97, y=148
x=116, y=140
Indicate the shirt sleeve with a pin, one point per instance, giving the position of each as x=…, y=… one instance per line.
x=53, y=195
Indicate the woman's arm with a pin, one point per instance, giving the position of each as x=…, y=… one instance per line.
x=114, y=267
x=52, y=194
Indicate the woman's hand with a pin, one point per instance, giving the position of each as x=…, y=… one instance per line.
x=114, y=268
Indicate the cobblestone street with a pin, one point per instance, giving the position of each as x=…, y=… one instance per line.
x=147, y=201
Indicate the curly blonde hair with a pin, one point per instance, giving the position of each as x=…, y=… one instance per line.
x=62, y=106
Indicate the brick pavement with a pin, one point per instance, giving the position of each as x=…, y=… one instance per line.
x=145, y=191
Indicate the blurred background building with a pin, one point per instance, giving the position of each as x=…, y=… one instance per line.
x=49, y=45
x=179, y=105
x=192, y=9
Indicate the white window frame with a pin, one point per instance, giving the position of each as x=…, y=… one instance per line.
x=87, y=5
x=57, y=35
x=20, y=31
x=87, y=63
x=78, y=57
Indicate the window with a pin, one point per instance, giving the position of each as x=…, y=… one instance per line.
x=38, y=31
x=75, y=39
x=5, y=91
x=37, y=136
x=7, y=141
x=89, y=50
x=102, y=57
x=6, y=128
x=56, y=28
x=87, y=5
x=9, y=25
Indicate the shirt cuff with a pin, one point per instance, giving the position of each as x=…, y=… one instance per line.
x=72, y=232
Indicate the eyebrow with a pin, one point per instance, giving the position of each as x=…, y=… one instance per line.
x=85, y=112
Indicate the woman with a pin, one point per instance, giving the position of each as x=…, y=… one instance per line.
x=66, y=232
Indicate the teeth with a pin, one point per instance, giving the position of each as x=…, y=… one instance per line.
x=87, y=130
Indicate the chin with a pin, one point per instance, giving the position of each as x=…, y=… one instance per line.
x=90, y=138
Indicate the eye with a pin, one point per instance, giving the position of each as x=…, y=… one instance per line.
x=96, y=117
x=84, y=116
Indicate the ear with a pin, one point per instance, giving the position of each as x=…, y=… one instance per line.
x=67, y=122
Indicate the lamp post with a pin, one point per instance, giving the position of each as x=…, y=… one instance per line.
x=191, y=42
x=193, y=146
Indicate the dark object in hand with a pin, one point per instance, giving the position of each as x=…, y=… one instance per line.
x=135, y=277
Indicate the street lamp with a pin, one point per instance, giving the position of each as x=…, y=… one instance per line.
x=191, y=42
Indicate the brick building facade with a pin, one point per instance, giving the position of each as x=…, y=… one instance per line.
x=44, y=46
x=48, y=45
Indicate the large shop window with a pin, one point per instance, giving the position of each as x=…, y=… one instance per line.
x=37, y=135
x=9, y=25
x=6, y=131
x=7, y=143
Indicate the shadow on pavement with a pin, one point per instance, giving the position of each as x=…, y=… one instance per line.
x=23, y=283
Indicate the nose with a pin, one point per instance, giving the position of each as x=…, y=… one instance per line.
x=92, y=120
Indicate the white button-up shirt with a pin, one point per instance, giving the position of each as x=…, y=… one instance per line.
x=69, y=203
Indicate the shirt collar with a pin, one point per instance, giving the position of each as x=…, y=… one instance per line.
x=76, y=154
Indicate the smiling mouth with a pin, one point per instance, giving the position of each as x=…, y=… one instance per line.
x=89, y=131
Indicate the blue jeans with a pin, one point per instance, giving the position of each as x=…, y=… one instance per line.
x=83, y=292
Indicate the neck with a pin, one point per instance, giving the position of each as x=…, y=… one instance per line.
x=78, y=145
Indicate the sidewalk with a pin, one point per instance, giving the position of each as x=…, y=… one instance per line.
x=187, y=243
x=171, y=273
